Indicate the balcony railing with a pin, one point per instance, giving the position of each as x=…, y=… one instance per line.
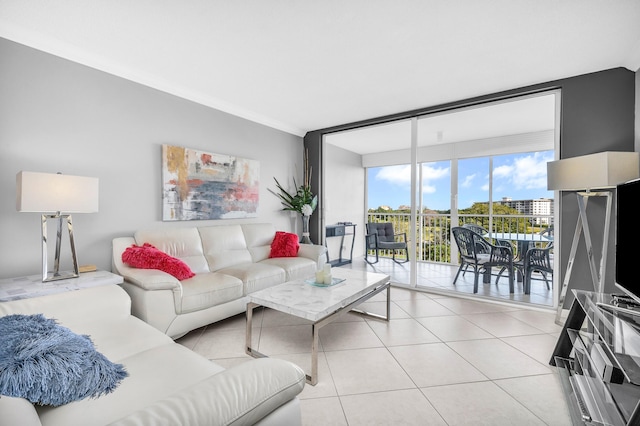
x=434, y=230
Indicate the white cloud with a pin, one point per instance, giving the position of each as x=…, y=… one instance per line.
x=397, y=175
x=503, y=171
x=431, y=173
x=526, y=172
x=401, y=176
x=428, y=189
x=468, y=180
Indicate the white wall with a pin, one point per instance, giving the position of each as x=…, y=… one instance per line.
x=59, y=116
x=344, y=197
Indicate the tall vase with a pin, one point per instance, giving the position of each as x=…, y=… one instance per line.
x=305, y=230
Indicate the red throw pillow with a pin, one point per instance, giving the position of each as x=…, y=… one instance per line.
x=149, y=257
x=284, y=244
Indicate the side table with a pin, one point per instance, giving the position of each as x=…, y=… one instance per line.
x=32, y=285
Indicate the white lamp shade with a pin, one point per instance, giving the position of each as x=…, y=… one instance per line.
x=48, y=192
x=595, y=171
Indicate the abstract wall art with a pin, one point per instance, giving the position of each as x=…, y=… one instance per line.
x=198, y=185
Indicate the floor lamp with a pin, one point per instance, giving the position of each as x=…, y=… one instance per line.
x=594, y=175
x=59, y=195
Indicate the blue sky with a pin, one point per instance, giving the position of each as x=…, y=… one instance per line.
x=518, y=176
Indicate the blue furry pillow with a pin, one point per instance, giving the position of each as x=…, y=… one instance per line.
x=48, y=364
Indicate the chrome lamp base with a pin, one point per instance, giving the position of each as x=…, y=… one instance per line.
x=56, y=274
x=582, y=226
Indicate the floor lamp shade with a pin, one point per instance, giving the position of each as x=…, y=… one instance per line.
x=595, y=171
x=589, y=176
x=59, y=195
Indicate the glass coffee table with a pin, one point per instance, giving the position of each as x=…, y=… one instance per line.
x=320, y=304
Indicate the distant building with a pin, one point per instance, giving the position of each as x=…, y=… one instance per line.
x=541, y=209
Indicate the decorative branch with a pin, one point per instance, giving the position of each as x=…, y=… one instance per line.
x=302, y=196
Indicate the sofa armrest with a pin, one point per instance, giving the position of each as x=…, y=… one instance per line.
x=17, y=412
x=317, y=253
x=240, y=395
x=150, y=279
x=146, y=279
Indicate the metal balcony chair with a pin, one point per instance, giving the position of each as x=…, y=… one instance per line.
x=482, y=245
x=479, y=230
x=537, y=260
x=482, y=231
x=520, y=260
x=548, y=232
x=485, y=248
x=381, y=236
x=475, y=228
x=470, y=246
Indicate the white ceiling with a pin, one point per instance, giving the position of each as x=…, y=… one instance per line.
x=301, y=65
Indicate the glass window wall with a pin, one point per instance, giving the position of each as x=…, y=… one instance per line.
x=484, y=164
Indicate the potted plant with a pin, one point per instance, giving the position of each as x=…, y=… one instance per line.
x=301, y=200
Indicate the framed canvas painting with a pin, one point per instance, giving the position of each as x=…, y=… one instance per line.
x=198, y=185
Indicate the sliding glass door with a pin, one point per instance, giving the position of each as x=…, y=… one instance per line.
x=483, y=164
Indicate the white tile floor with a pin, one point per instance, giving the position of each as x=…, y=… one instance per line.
x=441, y=360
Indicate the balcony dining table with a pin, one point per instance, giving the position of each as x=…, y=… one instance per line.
x=523, y=241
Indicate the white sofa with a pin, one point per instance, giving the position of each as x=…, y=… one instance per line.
x=168, y=384
x=230, y=261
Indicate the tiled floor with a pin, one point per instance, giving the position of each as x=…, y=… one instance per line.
x=441, y=360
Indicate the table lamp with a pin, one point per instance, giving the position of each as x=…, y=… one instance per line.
x=56, y=196
x=601, y=172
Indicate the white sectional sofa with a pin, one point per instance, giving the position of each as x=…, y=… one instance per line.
x=230, y=261
x=168, y=384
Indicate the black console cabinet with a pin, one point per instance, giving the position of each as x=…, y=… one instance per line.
x=598, y=359
x=340, y=230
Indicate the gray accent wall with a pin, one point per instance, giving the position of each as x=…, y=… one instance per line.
x=60, y=116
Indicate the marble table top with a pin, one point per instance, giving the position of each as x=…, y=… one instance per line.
x=314, y=303
x=32, y=285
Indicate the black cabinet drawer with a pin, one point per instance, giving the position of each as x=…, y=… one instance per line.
x=335, y=230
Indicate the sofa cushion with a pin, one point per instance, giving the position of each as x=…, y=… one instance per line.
x=224, y=246
x=183, y=243
x=258, y=237
x=206, y=290
x=154, y=374
x=256, y=276
x=296, y=268
x=284, y=244
x=48, y=364
x=241, y=395
x=103, y=312
x=18, y=412
x=149, y=257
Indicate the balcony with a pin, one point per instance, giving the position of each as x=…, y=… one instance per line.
x=436, y=267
